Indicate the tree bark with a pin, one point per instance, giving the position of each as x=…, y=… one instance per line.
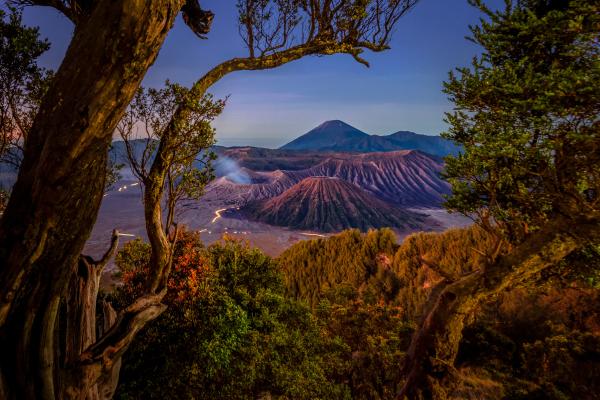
x=81, y=324
x=56, y=198
x=107, y=383
x=154, y=187
x=429, y=365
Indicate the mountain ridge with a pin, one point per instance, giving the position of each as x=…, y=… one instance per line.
x=336, y=135
x=405, y=178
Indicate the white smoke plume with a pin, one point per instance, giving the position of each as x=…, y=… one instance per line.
x=229, y=168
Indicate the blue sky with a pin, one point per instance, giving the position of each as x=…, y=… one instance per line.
x=401, y=90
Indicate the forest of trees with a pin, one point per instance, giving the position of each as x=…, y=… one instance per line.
x=505, y=309
x=312, y=325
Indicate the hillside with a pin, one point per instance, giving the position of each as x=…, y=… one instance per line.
x=403, y=178
x=338, y=136
x=406, y=178
x=536, y=341
x=330, y=204
x=261, y=159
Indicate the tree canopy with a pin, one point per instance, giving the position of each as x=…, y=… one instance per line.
x=229, y=331
x=22, y=83
x=527, y=115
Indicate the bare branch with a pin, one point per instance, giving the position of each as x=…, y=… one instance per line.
x=283, y=31
x=114, y=243
x=116, y=340
x=72, y=9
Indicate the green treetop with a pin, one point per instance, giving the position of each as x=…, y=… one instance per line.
x=526, y=112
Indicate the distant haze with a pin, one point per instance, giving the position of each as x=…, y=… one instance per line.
x=250, y=140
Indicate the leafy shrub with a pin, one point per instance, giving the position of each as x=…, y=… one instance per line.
x=228, y=332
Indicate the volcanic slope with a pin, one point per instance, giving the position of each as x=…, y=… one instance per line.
x=406, y=178
x=329, y=204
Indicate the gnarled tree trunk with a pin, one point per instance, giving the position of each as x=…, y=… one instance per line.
x=55, y=200
x=429, y=366
x=81, y=325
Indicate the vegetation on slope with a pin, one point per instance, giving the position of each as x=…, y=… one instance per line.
x=228, y=332
x=239, y=326
x=527, y=343
x=526, y=113
x=350, y=258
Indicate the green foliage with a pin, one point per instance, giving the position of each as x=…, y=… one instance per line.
x=554, y=359
x=347, y=258
x=424, y=259
x=369, y=293
x=228, y=333
x=380, y=269
x=155, y=109
x=175, y=123
x=526, y=113
x=22, y=83
x=374, y=314
x=535, y=343
x=134, y=257
x=375, y=338
x=583, y=266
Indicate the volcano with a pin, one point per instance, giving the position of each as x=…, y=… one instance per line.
x=330, y=204
x=338, y=136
